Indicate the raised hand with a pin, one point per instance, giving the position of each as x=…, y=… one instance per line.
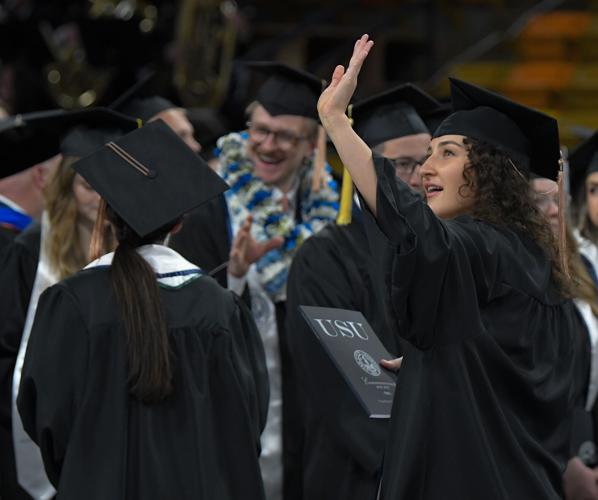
x=245, y=250
x=334, y=100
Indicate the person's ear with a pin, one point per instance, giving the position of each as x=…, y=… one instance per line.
x=38, y=176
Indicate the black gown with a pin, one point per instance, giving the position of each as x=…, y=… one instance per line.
x=205, y=238
x=98, y=443
x=342, y=449
x=18, y=266
x=483, y=407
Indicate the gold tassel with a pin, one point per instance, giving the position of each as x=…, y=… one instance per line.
x=317, y=180
x=346, y=204
x=563, y=221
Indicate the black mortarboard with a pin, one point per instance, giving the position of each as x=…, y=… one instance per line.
x=287, y=91
x=391, y=114
x=529, y=137
x=84, y=140
x=31, y=138
x=136, y=103
x=148, y=107
x=435, y=117
x=583, y=161
x=150, y=177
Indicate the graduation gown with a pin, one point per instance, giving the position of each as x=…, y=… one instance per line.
x=205, y=237
x=98, y=442
x=12, y=223
x=342, y=448
x=17, y=273
x=483, y=406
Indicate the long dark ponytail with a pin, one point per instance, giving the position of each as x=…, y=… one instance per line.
x=144, y=321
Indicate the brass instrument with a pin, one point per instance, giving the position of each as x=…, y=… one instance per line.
x=125, y=10
x=205, y=48
x=72, y=82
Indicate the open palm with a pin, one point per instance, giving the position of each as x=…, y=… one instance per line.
x=245, y=250
x=334, y=100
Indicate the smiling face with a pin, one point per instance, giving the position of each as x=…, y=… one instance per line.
x=278, y=145
x=442, y=177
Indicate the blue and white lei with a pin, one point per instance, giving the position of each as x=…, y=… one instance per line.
x=249, y=194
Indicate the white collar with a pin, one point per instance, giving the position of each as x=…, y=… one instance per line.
x=12, y=204
x=172, y=270
x=291, y=194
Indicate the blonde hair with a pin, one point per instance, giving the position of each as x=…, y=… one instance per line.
x=63, y=243
x=582, y=285
x=586, y=227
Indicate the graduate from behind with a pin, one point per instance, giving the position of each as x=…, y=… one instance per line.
x=162, y=389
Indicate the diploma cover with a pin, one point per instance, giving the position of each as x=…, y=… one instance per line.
x=356, y=351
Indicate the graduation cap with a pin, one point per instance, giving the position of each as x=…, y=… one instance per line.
x=150, y=177
x=286, y=90
x=391, y=114
x=583, y=161
x=31, y=138
x=133, y=102
x=84, y=140
x=529, y=137
x=435, y=117
x=148, y=107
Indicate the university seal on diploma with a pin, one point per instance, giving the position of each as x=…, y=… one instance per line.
x=356, y=351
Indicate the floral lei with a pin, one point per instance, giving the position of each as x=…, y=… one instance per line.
x=249, y=194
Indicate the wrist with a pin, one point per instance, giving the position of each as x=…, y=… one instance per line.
x=335, y=122
x=237, y=272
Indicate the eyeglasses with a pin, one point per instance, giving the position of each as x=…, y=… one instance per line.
x=406, y=165
x=543, y=201
x=284, y=139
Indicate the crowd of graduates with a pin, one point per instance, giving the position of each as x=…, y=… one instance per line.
x=151, y=341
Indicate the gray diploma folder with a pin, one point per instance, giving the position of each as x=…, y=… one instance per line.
x=356, y=351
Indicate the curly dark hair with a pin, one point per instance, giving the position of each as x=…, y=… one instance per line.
x=503, y=197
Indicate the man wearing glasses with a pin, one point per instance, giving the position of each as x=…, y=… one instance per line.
x=273, y=209
x=391, y=125
x=342, y=449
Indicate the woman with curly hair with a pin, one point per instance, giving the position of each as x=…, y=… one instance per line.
x=162, y=389
x=476, y=288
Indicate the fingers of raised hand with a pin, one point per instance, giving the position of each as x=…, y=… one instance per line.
x=240, y=241
x=360, y=52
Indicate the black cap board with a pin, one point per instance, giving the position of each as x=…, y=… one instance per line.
x=286, y=90
x=147, y=108
x=392, y=114
x=31, y=138
x=583, y=161
x=529, y=137
x=84, y=140
x=435, y=117
x=150, y=177
x=136, y=103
